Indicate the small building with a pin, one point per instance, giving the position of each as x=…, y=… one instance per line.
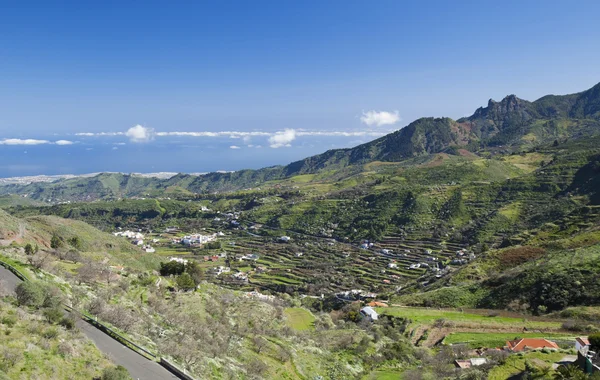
x=392, y=265
x=369, y=312
x=581, y=342
x=473, y=362
x=284, y=239
x=526, y=344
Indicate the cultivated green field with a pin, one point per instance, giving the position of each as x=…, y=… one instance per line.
x=299, y=318
x=420, y=315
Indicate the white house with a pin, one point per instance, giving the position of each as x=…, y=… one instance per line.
x=369, y=312
x=285, y=239
x=581, y=342
x=149, y=249
x=222, y=269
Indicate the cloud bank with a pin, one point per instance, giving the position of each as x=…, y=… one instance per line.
x=379, y=118
x=275, y=139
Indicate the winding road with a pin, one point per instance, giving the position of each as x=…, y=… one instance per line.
x=138, y=366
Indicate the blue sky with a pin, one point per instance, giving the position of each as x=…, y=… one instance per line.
x=268, y=66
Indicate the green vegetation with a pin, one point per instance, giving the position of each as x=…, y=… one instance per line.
x=34, y=348
x=490, y=339
x=299, y=319
x=499, y=210
x=516, y=364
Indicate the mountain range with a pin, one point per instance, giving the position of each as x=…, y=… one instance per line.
x=511, y=125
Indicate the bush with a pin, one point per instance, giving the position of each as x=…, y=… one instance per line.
x=9, y=320
x=56, y=242
x=50, y=333
x=30, y=293
x=38, y=294
x=115, y=373
x=67, y=322
x=53, y=315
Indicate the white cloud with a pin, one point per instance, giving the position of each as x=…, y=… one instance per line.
x=140, y=134
x=64, y=142
x=23, y=142
x=114, y=148
x=379, y=118
x=282, y=138
x=234, y=147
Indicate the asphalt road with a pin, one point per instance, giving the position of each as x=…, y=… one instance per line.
x=9, y=280
x=138, y=366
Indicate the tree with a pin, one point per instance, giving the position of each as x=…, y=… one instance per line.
x=38, y=260
x=73, y=255
x=28, y=249
x=185, y=282
x=171, y=268
x=259, y=343
x=594, y=341
x=75, y=242
x=195, y=271
x=30, y=293
x=56, y=242
x=87, y=272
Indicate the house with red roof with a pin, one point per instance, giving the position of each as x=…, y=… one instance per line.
x=525, y=344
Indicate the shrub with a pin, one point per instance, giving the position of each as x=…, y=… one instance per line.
x=50, y=333
x=56, y=242
x=38, y=294
x=115, y=373
x=67, y=322
x=9, y=320
x=53, y=315
x=30, y=293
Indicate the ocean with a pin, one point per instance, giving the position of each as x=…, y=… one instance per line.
x=163, y=154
